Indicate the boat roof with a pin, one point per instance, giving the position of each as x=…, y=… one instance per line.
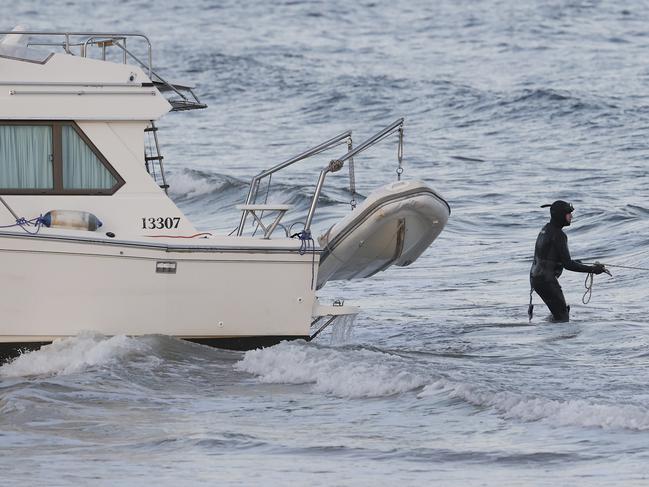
x=117, y=78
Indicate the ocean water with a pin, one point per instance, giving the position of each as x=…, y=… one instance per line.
x=441, y=380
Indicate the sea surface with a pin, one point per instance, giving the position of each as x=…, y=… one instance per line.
x=441, y=379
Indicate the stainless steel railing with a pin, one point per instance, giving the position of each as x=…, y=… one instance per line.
x=83, y=39
x=256, y=181
x=337, y=164
x=334, y=165
x=103, y=40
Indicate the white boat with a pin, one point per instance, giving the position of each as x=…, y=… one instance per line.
x=90, y=240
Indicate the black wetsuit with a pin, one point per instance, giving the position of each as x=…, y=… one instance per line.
x=551, y=256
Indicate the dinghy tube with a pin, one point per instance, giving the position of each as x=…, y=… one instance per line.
x=393, y=226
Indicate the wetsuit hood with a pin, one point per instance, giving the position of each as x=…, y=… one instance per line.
x=558, y=211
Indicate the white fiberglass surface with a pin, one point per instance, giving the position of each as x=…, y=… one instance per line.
x=443, y=381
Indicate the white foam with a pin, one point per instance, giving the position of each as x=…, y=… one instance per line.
x=71, y=355
x=577, y=412
x=343, y=373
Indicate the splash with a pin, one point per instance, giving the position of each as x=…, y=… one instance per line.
x=72, y=355
x=342, y=373
x=342, y=329
x=575, y=412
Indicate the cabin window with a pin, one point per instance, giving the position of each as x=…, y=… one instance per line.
x=82, y=169
x=26, y=157
x=52, y=158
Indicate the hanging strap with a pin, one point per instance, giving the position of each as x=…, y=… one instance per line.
x=352, y=178
x=400, y=154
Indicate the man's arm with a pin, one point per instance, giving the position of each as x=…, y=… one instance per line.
x=572, y=265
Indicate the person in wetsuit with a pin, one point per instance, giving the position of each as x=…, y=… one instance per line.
x=551, y=256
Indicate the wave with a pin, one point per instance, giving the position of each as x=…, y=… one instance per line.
x=193, y=183
x=559, y=99
x=195, y=190
x=484, y=106
x=576, y=412
x=246, y=76
x=362, y=373
x=74, y=355
x=342, y=373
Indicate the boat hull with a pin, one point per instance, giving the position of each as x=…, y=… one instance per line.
x=231, y=297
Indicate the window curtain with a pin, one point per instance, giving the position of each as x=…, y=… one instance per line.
x=82, y=169
x=26, y=157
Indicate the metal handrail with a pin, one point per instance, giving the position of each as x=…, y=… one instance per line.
x=334, y=165
x=104, y=40
x=254, y=184
x=108, y=35
x=337, y=164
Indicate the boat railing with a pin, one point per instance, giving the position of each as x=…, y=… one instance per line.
x=185, y=98
x=83, y=39
x=334, y=165
x=253, y=191
x=337, y=164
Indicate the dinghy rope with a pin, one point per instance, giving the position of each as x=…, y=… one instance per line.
x=307, y=244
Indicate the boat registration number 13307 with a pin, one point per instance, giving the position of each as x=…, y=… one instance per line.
x=160, y=222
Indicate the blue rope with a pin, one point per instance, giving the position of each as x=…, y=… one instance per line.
x=25, y=224
x=306, y=241
x=307, y=244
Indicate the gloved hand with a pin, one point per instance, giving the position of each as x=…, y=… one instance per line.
x=598, y=268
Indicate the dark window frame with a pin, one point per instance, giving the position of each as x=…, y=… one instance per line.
x=57, y=163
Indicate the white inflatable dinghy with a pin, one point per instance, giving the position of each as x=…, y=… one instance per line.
x=393, y=226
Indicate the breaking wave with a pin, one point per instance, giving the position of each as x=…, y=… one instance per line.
x=577, y=412
x=342, y=373
x=73, y=355
x=354, y=373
